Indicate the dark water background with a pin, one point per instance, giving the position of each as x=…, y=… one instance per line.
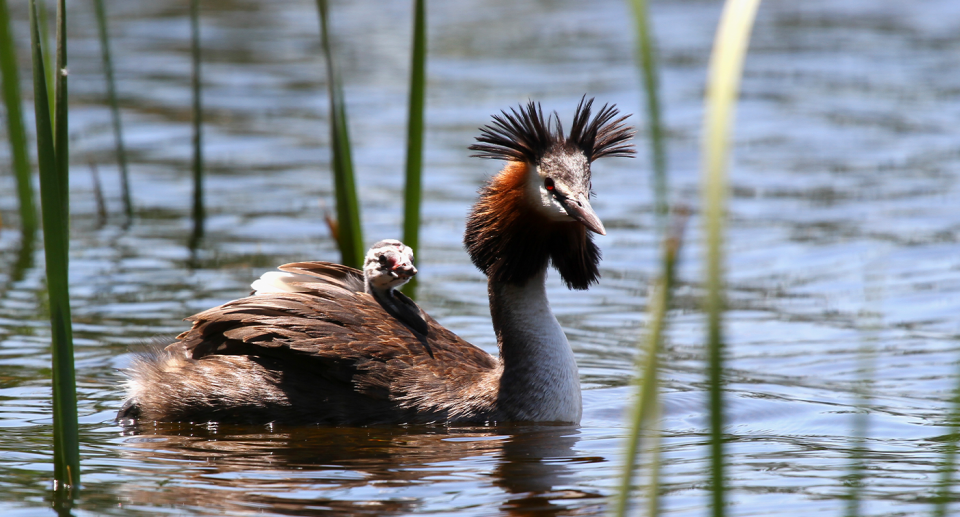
x=843, y=260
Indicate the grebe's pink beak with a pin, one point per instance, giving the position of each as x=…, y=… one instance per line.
x=578, y=207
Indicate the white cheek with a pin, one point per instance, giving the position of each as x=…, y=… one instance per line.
x=552, y=207
x=548, y=205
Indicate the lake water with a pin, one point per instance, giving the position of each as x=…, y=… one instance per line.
x=843, y=263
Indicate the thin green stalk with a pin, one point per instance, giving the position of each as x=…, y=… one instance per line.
x=944, y=493
x=348, y=207
x=45, y=48
x=22, y=264
x=63, y=370
x=24, y=260
x=645, y=415
x=723, y=85
x=945, y=486
x=61, y=130
x=114, y=108
x=860, y=428
x=861, y=421
x=15, y=131
x=647, y=60
x=98, y=195
x=414, y=190
x=199, y=213
x=53, y=191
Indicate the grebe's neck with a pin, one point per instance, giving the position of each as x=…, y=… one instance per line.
x=540, y=381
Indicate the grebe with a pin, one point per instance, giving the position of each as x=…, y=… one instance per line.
x=326, y=352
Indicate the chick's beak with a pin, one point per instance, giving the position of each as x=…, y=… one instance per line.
x=578, y=207
x=404, y=270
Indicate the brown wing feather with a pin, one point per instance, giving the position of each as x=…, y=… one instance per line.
x=341, y=340
x=338, y=275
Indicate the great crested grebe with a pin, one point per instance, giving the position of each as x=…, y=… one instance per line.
x=319, y=349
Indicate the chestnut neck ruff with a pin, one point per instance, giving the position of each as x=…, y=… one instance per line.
x=511, y=242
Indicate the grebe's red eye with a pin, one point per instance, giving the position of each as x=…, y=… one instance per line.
x=548, y=184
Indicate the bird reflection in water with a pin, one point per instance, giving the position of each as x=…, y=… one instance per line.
x=523, y=470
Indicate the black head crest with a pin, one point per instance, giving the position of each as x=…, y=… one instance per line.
x=525, y=136
x=605, y=135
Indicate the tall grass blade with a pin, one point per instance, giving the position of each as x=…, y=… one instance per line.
x=723, y=86
x=198, y=212
x=114, y=108
x=413, y=190
x=858, y=448
x=944, y=495
x=61, y=128
x=862, y=391
x=53, y=191
x=645, y=415
x=348, y=207
x=45, y=48
x=24, y=260
x=98, y=195
x=16, y=133
x=23, y=263
x=647, y=60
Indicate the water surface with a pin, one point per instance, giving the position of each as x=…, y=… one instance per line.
x=842, y=253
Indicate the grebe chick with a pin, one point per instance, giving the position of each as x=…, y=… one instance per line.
x=387, y=267
x=320, y=349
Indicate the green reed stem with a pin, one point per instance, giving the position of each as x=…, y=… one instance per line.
x=858, y=447
x=645, y=416
x=24, y=260
x=45, y=48
x=98, y=195
x=723, y=85
x=61, y=129
x=647, y=60
x=114, y=108
x=413, y=192
x=862, y=391
x=348, y=207
x=16, y=133
x=51, y=155
x=198, y=212
x=944, y=493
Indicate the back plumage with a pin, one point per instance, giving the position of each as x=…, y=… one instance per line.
x=328, y=354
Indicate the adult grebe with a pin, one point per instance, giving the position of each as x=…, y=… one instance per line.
x=327, y=352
